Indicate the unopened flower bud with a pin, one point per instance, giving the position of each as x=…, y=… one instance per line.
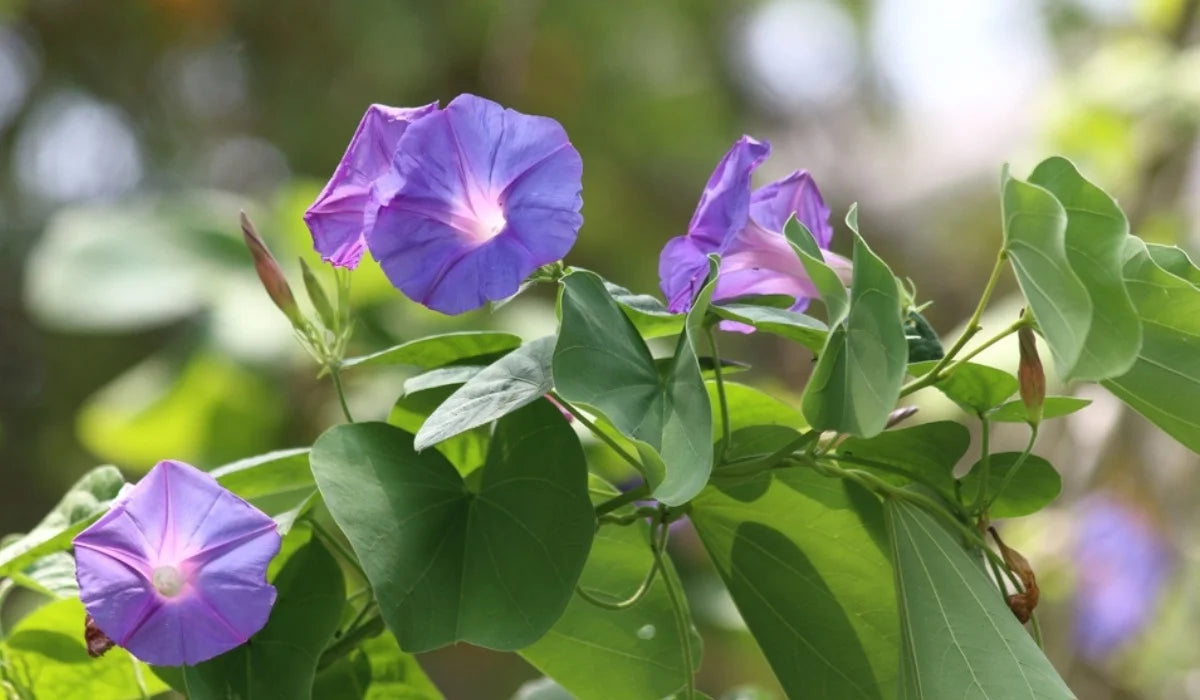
x=1031, y=375
x=316, y=294
x=271, y=275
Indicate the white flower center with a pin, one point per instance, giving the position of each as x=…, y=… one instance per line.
x=489, y=220
x=168, y=580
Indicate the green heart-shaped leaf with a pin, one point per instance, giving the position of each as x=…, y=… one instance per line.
x=1095, y=244
x=602, y=362
x=1035, y=225
x=856, y=382
x=494, y=568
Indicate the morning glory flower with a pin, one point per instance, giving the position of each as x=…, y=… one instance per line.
x=485, y=196
x=345, y=210
x=175, y=572
x=746, y=229
x=1122, y=563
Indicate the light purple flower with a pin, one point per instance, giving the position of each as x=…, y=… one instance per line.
x=1122, y=563
x=486, y=195
x=345, y=210
x=175, y=572
x=746, y=230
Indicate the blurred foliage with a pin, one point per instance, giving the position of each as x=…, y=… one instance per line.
x=132, y=327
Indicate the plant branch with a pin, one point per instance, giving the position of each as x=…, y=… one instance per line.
x=973, y=327
x=633, y=494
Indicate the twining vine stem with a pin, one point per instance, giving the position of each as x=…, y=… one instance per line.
x=681, y=616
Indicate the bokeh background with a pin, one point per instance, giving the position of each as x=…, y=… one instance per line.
x=132, y=327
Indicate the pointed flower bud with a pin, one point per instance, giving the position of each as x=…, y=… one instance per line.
x=316, y=294
x=271, y=275
x=1031, y=375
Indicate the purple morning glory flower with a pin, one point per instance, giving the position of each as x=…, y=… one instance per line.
x=345, y=210
x=486, y=195
x=746, y=230
x=175, y=572
x=1122, y=563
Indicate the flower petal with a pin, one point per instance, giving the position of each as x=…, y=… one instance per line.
x=758, y=261
x=772, y=205
x=723, y=211
x=486, y=196
x=725, y=204
x=682, y=269
x=346, y=207
x=196, y=626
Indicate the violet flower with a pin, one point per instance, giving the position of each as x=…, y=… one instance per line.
x=474, y=199
x=746, y=230
x=487, y=195
x=1122, y=563
x=175, y=572
x=345, y=210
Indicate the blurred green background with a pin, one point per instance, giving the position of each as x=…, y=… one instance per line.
x=132, y=327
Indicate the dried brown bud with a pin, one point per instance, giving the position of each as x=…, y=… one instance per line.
x=1031, y=375
x=95, y=638
x=270, y=274
x=1022, y=604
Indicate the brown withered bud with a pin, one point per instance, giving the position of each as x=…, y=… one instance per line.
x=95, y=638
x=270, y=274
x=1031, y=375
x=900, y=415
x=1022, y=604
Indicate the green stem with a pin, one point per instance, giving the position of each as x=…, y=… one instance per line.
x=362, y=614
x=677, y=607
x=350, y=641
x=726, y=428
x=642, y=589
x=334, y=374
x=1037, y=629
x=999, y=577
x=934, y=375
x=873, y=483
x=629, y=518
x=882, y=466
x=336, y=544
x=633, y=494
x=1012, y=471
x=587, y=423
x=985, y=465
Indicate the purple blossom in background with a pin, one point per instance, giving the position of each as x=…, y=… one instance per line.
x=746, y=230
x=175, y=572
x=458, y=205
x=345, y=210
x=1122, y=564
